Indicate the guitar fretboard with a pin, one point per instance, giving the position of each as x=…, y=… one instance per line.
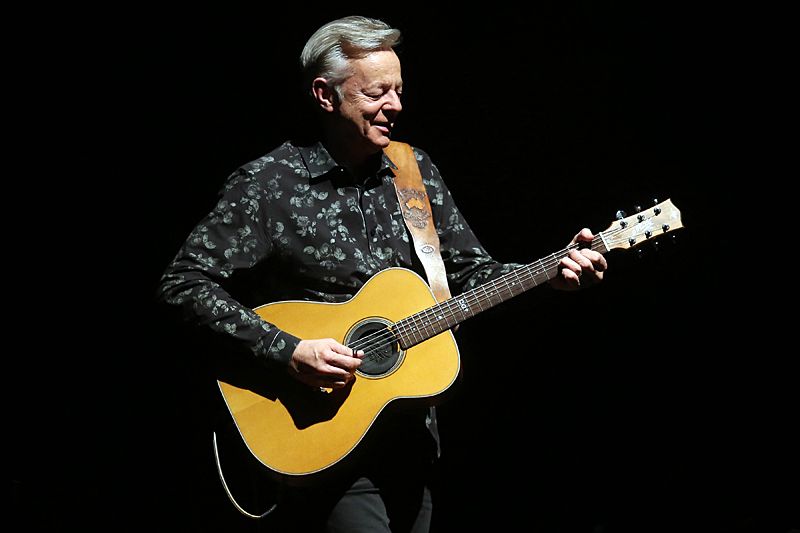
x=425, y=324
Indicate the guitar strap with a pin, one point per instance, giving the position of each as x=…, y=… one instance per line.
x=416, y=209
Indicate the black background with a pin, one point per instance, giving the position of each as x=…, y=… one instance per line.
x=652, y=402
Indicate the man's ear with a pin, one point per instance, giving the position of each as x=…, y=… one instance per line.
x=323, y=94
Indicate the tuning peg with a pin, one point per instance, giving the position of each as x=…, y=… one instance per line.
x=655, y=245
x=637, y=208
x=621, y=216
x=655, y=201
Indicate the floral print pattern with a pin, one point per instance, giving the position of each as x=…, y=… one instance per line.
x=294, y=225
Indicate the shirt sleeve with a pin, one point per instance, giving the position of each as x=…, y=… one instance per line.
x=467, y=262
x=230, y=238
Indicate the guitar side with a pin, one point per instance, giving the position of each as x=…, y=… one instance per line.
x=296, y=430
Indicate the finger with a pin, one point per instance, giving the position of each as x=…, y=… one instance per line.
x=599, y=262
x=571, y=266
x=329, y=379
x=346, y=362
x=336, y=382
x=338, y=347
x=346, y=350
x=569, y=279
x=580, y=258
x=584, y=235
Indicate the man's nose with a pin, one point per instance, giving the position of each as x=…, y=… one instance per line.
x=393, y=102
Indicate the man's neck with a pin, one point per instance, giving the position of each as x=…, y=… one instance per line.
x=359, y=164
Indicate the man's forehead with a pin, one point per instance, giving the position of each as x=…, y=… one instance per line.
x=377, y=67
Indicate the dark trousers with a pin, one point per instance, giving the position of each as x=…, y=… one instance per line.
x=369, y=505
x=393, y=507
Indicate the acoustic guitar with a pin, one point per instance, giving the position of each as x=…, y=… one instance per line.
x=410, y=353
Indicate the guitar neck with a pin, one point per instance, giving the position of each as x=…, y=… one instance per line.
x=445, y=315
x=624, y=233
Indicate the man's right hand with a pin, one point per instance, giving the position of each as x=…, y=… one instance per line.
x=324, y=363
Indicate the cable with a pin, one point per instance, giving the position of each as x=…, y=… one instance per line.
x=228, y=492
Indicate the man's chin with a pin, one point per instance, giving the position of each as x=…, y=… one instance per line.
x=382, y=141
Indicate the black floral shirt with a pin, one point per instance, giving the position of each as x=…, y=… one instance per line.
x=293, y=225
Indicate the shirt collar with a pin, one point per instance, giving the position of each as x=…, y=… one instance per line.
x=319, y=163
x=317, y=160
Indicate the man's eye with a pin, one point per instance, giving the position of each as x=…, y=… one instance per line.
x=379, y=95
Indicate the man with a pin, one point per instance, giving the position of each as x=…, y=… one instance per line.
x=316, y=222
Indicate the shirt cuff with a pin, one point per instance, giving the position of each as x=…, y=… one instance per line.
x=282, y=348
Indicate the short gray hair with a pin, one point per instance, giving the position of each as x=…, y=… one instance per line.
x=328, y=50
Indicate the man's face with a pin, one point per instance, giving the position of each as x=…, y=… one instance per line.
x=371, y=100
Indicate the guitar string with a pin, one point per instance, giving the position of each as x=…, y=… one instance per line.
x=387, y=337
x=513, y=280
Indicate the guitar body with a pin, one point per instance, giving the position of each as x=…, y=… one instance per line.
x=296, y=430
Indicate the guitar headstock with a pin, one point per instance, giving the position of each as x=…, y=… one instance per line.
x=644, y=226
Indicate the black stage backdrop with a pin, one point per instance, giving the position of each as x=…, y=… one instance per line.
x=638, y=405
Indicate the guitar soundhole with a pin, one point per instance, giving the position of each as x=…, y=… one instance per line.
x=382, y=353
